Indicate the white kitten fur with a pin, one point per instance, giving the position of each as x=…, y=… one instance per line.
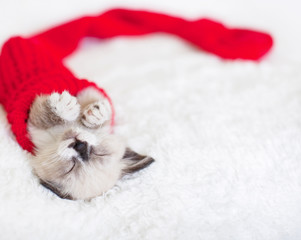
x=60, y=133
x=64, y=105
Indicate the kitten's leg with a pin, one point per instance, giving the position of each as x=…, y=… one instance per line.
x=55, y=109
x=96, y=109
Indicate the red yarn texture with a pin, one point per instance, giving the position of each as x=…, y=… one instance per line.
x=33, y=66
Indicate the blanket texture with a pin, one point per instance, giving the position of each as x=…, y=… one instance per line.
x=225, y=134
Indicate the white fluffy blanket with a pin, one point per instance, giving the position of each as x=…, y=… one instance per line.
x=226, y=135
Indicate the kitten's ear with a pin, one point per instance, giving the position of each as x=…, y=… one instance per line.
x=135, y=162
x=55, y=189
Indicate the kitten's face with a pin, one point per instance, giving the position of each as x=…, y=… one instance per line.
x=79, y=163
x=75, y=155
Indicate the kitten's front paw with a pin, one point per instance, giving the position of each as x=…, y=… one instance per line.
x=64, y=105
x=96, y=114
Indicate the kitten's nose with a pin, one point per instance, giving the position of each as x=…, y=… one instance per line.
x=82, y=149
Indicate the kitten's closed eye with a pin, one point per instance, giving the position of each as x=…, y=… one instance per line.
x=74, y=162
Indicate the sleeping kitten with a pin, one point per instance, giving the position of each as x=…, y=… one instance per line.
x=76, y=156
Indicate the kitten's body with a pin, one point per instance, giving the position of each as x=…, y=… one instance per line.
x=76, y=156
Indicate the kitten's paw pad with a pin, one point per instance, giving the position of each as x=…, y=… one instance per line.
x=64, y=105
x=96, y=114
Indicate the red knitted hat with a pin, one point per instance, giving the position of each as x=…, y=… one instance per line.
x=33, y=66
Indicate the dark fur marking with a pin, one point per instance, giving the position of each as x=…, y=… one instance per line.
x=53, y=118
x=138, y=161
x=42, y=116
x=55, y=190
x=129, y=153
